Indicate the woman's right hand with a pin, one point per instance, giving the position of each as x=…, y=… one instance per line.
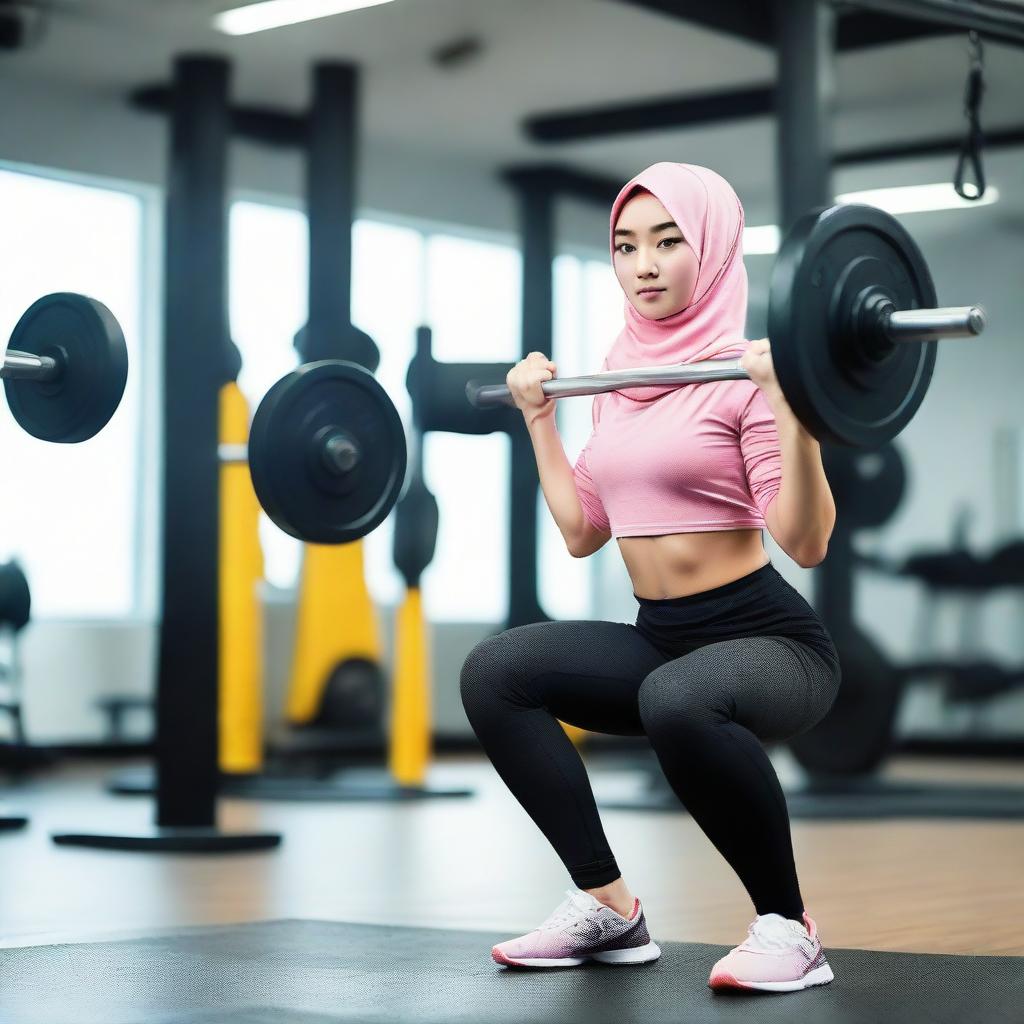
x=524, y=381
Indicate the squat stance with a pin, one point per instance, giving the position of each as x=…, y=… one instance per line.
x=724, y=654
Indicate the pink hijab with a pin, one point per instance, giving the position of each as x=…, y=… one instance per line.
x=710, y=215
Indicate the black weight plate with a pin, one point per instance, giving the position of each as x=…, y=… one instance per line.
x=86, y=340
x=857, y=733
x=837, y=391
x=868, y=486
x=286, y=444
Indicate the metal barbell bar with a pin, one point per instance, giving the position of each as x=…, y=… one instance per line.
x=337, y=452
x=898, y=326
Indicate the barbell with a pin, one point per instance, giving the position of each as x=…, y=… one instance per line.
x=65, y=368
x=851, y=322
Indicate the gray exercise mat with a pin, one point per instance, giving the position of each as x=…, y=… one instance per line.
x=316, y=972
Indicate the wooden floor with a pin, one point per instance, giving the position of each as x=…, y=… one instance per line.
x=479, y=863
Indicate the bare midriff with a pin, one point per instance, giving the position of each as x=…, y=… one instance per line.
x=679, y=564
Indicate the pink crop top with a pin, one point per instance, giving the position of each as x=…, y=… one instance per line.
x=698, y=458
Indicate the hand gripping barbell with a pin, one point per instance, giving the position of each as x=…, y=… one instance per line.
x=852, y=326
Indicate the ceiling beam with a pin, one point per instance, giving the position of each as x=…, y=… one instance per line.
x=560, y=180
x=257, y=124
x=996, y=19
x=748, y=19
x=860, y=30
x=1000, y=138
x=860, y=23
x=563, y=181
x=682, y=112
x=651, y=114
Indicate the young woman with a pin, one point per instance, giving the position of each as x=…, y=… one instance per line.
x=724, y=653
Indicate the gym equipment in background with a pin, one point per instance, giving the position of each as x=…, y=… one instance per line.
x=240, y=676
x=15, y=614
x=337, y=685
x=970, y=676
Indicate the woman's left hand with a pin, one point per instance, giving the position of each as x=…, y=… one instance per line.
x=757, y=361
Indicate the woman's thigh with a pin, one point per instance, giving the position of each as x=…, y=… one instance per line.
x=775, y=686
x=584, y=672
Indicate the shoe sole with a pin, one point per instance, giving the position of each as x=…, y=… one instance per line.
x=636, y=955
x=819, y=976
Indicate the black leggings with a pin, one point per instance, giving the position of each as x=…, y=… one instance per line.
x=706, y=677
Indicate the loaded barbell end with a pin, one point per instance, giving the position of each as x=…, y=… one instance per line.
x=65, y=368
x=27, y=366
x=340, y=453
x=931, y=324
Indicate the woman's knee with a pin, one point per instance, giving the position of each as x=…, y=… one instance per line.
x=490, y=671
x=481, y=668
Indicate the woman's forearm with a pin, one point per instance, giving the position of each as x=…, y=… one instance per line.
x=556, y=479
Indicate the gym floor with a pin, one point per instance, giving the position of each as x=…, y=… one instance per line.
x=478, y=863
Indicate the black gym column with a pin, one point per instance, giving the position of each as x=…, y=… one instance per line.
x=330, y=195
x=805, y=41
x=195, y=328
x=195, y=340
x=805, y=47
x=536, y=218
x=331, y=170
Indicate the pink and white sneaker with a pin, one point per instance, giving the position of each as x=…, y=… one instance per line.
x=778, y=955
x=581, y=928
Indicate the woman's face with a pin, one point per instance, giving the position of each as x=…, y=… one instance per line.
x=655, y=265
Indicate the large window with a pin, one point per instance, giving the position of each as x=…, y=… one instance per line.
x=70, y=513
x=468, y=292
x=268, y=295
x=587, y=318
x=472, y=305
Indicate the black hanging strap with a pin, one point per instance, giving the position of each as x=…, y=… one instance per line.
x=973, y=141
